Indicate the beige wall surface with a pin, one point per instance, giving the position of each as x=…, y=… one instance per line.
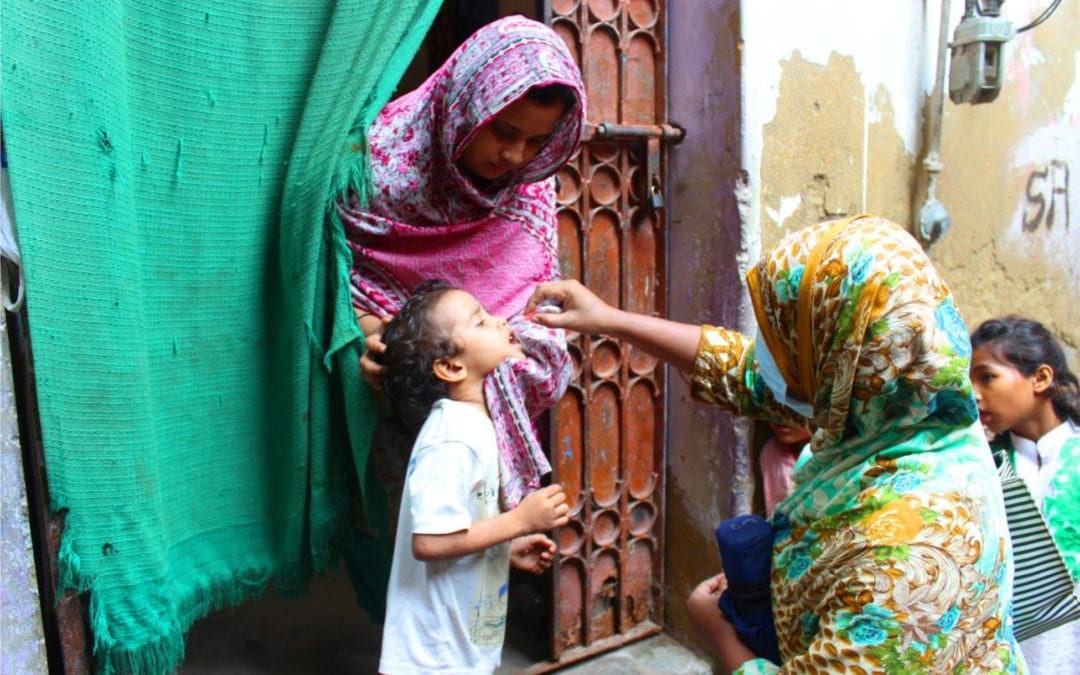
x=1011, y=181
x=822, y=147
x=835, y=144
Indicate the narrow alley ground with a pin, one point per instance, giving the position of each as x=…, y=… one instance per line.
x=326, y=633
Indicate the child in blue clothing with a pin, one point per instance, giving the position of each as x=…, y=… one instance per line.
x=446, y=605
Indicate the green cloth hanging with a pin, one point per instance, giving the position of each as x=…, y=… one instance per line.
x=172, y=165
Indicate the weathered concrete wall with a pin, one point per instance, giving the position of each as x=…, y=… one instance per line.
x=832, y=105
x=22, y=637
x=1011, y=182
x=708, y=253
x=834, y=124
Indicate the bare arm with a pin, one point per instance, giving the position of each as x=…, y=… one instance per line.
x=542, y=510
x=715, y=628
x=582, y=311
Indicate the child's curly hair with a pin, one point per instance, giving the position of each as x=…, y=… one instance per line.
x=413, y=344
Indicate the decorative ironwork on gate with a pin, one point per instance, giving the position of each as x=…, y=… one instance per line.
x=607, y=434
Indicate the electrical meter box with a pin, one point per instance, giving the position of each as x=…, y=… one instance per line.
x=976, y=71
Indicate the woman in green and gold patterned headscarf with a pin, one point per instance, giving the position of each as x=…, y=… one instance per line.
x=892, y=552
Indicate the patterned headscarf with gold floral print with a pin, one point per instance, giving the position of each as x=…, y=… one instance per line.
x=892, y=550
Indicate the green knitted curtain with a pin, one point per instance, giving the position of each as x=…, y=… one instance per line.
x=205, y=426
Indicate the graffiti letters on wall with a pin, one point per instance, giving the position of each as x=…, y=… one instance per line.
x=1047, y=202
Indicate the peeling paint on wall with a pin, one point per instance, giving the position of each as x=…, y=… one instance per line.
x=832, y=107
x=788, y=207
x=833, y=113
x=889, y=166
x=830, y=150
x=1010, y=182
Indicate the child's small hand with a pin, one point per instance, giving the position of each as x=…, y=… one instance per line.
x=532, y=553
x=544, y=509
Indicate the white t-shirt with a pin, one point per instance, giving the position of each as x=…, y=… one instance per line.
x=447, y=616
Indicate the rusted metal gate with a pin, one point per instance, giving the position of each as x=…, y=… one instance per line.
x=607, y=435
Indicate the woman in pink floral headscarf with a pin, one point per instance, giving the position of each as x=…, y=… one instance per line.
x=463, y=190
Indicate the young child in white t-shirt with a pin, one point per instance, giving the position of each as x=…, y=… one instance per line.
x=446, y=605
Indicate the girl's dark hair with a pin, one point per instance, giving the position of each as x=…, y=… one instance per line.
x=553, y=93
x=413, y=344
x=1026, y=344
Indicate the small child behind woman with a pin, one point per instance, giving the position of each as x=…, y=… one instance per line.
x=777, y=459
x=446, y=605
x=1030, y=400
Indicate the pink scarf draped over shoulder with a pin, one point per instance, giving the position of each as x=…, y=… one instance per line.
x=426, y=219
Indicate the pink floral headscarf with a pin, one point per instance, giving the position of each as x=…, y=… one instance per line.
x=426, y=219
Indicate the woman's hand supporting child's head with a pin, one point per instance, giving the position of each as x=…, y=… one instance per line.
x=373, y=326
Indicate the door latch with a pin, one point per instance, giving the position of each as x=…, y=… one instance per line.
x=652, y=135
